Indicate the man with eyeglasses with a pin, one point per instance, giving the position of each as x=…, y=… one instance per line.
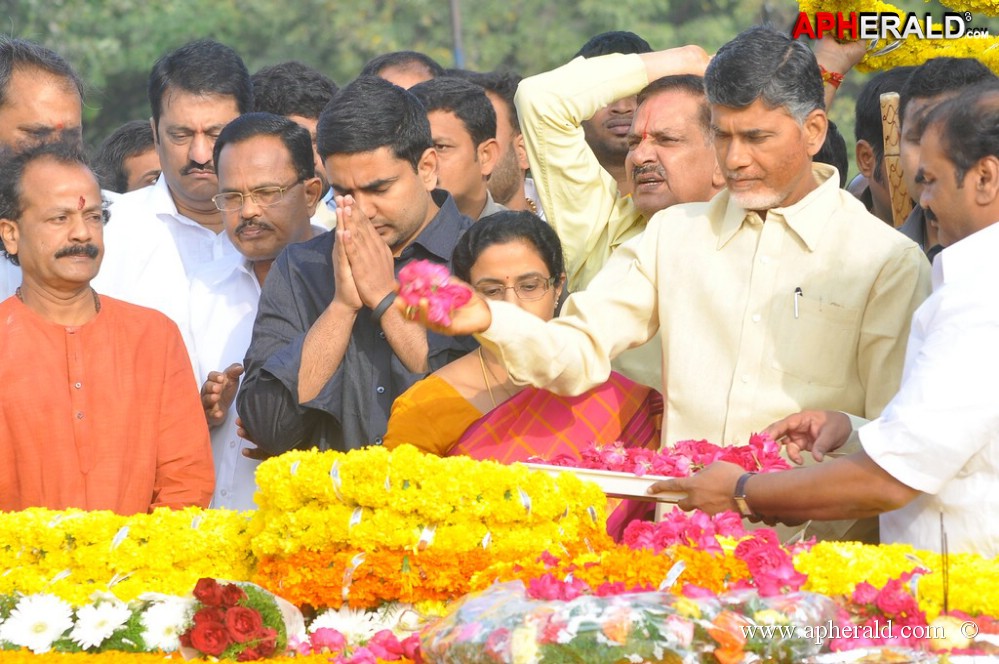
x=268, y=190
x=329, y=353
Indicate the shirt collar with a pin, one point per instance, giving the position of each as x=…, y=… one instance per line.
x=443, y=231
x=223, y=269
x=966, y=259
x=161, y=200
x=806, y=218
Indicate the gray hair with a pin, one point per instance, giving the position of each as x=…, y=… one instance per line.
x=762, y=63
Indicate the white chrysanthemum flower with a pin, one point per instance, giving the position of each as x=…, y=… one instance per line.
x=165, y=622
x=356, y=626
x=36, y=622
x=97, y=622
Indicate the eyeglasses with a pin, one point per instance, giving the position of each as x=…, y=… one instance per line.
x=232, y=201
x=533, y=288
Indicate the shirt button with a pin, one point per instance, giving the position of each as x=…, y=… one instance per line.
x=78, y=385
x=380, y=390
x=232, y=443
x=79, y=416
x=756, y=318
x=745, y=378
x=381, y=334
x=224, y=492
x=378, y=441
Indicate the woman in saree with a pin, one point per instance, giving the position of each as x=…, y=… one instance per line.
x=472, y=407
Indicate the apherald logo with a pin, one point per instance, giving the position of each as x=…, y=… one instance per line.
x=876, y=26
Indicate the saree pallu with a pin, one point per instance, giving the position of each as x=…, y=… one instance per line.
x=537, y=423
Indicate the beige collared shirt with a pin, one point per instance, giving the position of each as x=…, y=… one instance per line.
x=579, y=197
x=740, y=348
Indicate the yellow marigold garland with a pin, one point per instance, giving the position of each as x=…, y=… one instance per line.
x=835, y=568
x=402, y=525
x=987, y=7
x=74, y=553
x=914, y=51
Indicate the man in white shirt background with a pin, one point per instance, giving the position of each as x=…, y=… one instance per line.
x=41, y=98
x=268, y=190
x=299, y=92
x=161, y=235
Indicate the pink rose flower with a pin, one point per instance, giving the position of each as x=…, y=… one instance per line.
x=865, y=593
x=411, y=648
x=385, y=645
x=328, y=640
x=431, y=281
x=362, y=656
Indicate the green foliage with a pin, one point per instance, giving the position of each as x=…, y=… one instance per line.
x=114, y=43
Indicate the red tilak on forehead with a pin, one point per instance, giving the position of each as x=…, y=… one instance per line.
x=59, y=126
x=83, y=201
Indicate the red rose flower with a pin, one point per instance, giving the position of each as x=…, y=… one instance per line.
x=232, y=595
x=248, y=655
x=209, y=614
x=243, y=623
x=208, y=591
x=268, y=641
x=210, y=638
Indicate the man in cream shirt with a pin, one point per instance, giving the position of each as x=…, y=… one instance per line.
x=780, y=292
x=928, y=464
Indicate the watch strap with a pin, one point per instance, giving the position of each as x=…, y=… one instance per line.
x=740, y=496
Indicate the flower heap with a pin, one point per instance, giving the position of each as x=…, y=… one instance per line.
x=426, y=280
x=372, y=526
x=912, y=50
x=73, y=554
x=507, y=624
x=233, y=622
x=683, y=459
x=837, y=568
x=689, y=553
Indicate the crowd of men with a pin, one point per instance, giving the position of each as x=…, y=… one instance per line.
x=258, y=222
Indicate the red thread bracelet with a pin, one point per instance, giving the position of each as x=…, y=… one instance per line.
x=830, y=77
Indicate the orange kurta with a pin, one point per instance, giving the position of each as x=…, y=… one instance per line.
x=105, y=415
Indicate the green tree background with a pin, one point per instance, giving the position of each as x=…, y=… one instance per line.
x=113, y=43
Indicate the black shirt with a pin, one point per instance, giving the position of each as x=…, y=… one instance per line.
x=352, y=409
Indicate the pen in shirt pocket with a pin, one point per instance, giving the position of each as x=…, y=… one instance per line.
x=797, y=294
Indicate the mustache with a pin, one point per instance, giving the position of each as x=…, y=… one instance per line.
x=88, y=250
x=928, y=213
x=207, y=167
x=253, y=222
x=657, y=169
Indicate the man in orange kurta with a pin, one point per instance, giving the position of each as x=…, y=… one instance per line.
x=98, y=404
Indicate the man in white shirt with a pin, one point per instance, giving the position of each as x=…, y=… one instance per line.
x=160, y=235
x=194, y=92
x=300, y=93
x=268, y=190
x=932, y=458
